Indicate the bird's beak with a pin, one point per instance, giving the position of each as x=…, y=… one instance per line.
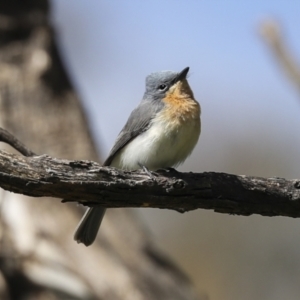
x=182, y=74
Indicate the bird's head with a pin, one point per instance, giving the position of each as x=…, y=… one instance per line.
x=168, y=84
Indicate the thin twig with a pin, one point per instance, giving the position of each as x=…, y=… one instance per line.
x=271, y=33
x=8, y=138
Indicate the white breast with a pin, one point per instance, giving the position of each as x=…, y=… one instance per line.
x=161, y=146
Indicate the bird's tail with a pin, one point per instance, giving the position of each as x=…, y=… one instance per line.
x=88, y=227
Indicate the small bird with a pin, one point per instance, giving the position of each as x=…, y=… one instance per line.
x=160, y=133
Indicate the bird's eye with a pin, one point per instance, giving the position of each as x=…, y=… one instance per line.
x=162, y=87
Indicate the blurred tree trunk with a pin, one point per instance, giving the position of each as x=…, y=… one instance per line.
x=38, y=257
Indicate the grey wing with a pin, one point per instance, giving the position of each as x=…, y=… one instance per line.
x=138, y=122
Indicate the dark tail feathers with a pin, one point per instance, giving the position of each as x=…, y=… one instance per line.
x=89, y=225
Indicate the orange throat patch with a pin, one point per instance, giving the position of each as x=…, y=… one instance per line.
x=181, y=105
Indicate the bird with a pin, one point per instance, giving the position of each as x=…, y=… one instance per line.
x=161, y=132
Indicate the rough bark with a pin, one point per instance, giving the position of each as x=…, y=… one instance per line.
x=38, y=257
x=40, y=176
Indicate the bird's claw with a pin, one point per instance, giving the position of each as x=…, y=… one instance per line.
x=152, y=175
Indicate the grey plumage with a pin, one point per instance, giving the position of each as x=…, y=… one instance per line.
x=154, y=80
x=138, y=122
x=89, y=225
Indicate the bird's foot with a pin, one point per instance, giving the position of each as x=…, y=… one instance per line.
x=152, y=175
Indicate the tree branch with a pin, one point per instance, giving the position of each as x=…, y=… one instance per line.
x=39, y=176
x=271, y=32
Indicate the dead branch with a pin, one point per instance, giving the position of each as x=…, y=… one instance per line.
x=90, y=184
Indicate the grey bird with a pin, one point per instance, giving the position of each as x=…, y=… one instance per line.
x=160, y=133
